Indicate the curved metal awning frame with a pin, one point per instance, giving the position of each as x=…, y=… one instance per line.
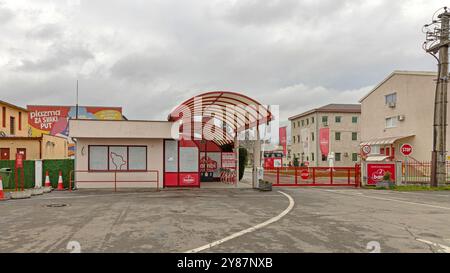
x=236, y=110
x=212, y=132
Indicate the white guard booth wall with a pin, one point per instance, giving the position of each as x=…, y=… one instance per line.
x=122, y=154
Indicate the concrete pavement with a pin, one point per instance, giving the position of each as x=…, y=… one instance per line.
x=322, y=220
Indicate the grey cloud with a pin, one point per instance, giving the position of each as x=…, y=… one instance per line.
x=143, y=67
x=46, y=32
x=148, y=56
x=5, y=14
x=59, y=56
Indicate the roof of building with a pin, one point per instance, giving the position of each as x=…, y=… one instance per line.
x=399, y=72
x=332, y=108
x=13, y=106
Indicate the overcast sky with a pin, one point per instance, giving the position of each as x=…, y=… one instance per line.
x=148, y=56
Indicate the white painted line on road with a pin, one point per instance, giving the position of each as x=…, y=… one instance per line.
x=390, y=199
x=248, y=230
x=442, y=248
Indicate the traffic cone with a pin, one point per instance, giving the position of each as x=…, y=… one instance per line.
x=47, y=180
x=60, y=182
x=2, y=195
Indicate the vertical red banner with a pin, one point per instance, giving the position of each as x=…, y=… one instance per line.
x=283, y=139
x=324, y=140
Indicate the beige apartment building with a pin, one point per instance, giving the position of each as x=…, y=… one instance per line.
x=15, y=137
x=400, y=110
x=336, y=126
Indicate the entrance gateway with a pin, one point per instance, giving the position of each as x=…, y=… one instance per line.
x=196, y=145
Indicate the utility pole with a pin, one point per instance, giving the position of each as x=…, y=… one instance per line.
x=76, y=107
x=437, y=42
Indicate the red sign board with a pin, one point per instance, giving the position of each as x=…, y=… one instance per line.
x=406, y=149
x=211, y=165
x=375, y=172
x=304, y=174
x=324, y=139
x=229, y=160
x=19, y=160
x=189, y=179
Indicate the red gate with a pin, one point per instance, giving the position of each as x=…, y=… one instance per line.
x=314, y=176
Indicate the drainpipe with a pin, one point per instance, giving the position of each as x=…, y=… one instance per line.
x=40, y=148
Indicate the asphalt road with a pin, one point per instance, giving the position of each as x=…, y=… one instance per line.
x=321, y=220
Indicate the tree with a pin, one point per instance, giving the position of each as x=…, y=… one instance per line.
x=296, y=163
x=243, y=157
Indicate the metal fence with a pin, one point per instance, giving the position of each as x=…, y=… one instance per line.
x=313, y=176
x=419, y=172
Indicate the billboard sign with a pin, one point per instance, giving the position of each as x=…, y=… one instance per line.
x=54, y=120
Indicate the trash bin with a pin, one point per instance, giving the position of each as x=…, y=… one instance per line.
x=5, y=173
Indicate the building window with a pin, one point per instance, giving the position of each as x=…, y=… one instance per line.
x=312, y=136
x=391, y=122
x=98, y=158
x=303, y=123
x=298, y=124
x=4, y=116
x=312, y=156
x=293, y=124
x=354, y=119
x=391, y=98
x=12, y=125
x=354, y=157
x=120, y=158
x=337, y=135
x=324, y=157
x=137, y=158
x=307, y=121
x=324, y=119
x=337, y=119
x=354, y=136
x=337, y=157
x=312, y=120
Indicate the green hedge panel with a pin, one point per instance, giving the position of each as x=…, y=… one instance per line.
x=54, y=166
x=29, y=174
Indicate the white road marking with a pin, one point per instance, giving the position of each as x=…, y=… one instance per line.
x=442, y=248
x=248, y=230
x=390, y=199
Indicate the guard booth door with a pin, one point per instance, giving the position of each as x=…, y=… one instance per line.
x=181, y=164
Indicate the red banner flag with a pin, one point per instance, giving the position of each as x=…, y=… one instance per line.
x=283, y=139
x=324, y=138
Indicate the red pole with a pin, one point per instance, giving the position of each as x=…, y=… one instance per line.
x=16, y=179
x=23, y=179
x=314, y=175
x=115, y=181
x=348, y=176
x=331, y=176
x=278, y=176
x=295, y=172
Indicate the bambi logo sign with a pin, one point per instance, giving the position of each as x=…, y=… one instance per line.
x=376, y=172
x=188, y=179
